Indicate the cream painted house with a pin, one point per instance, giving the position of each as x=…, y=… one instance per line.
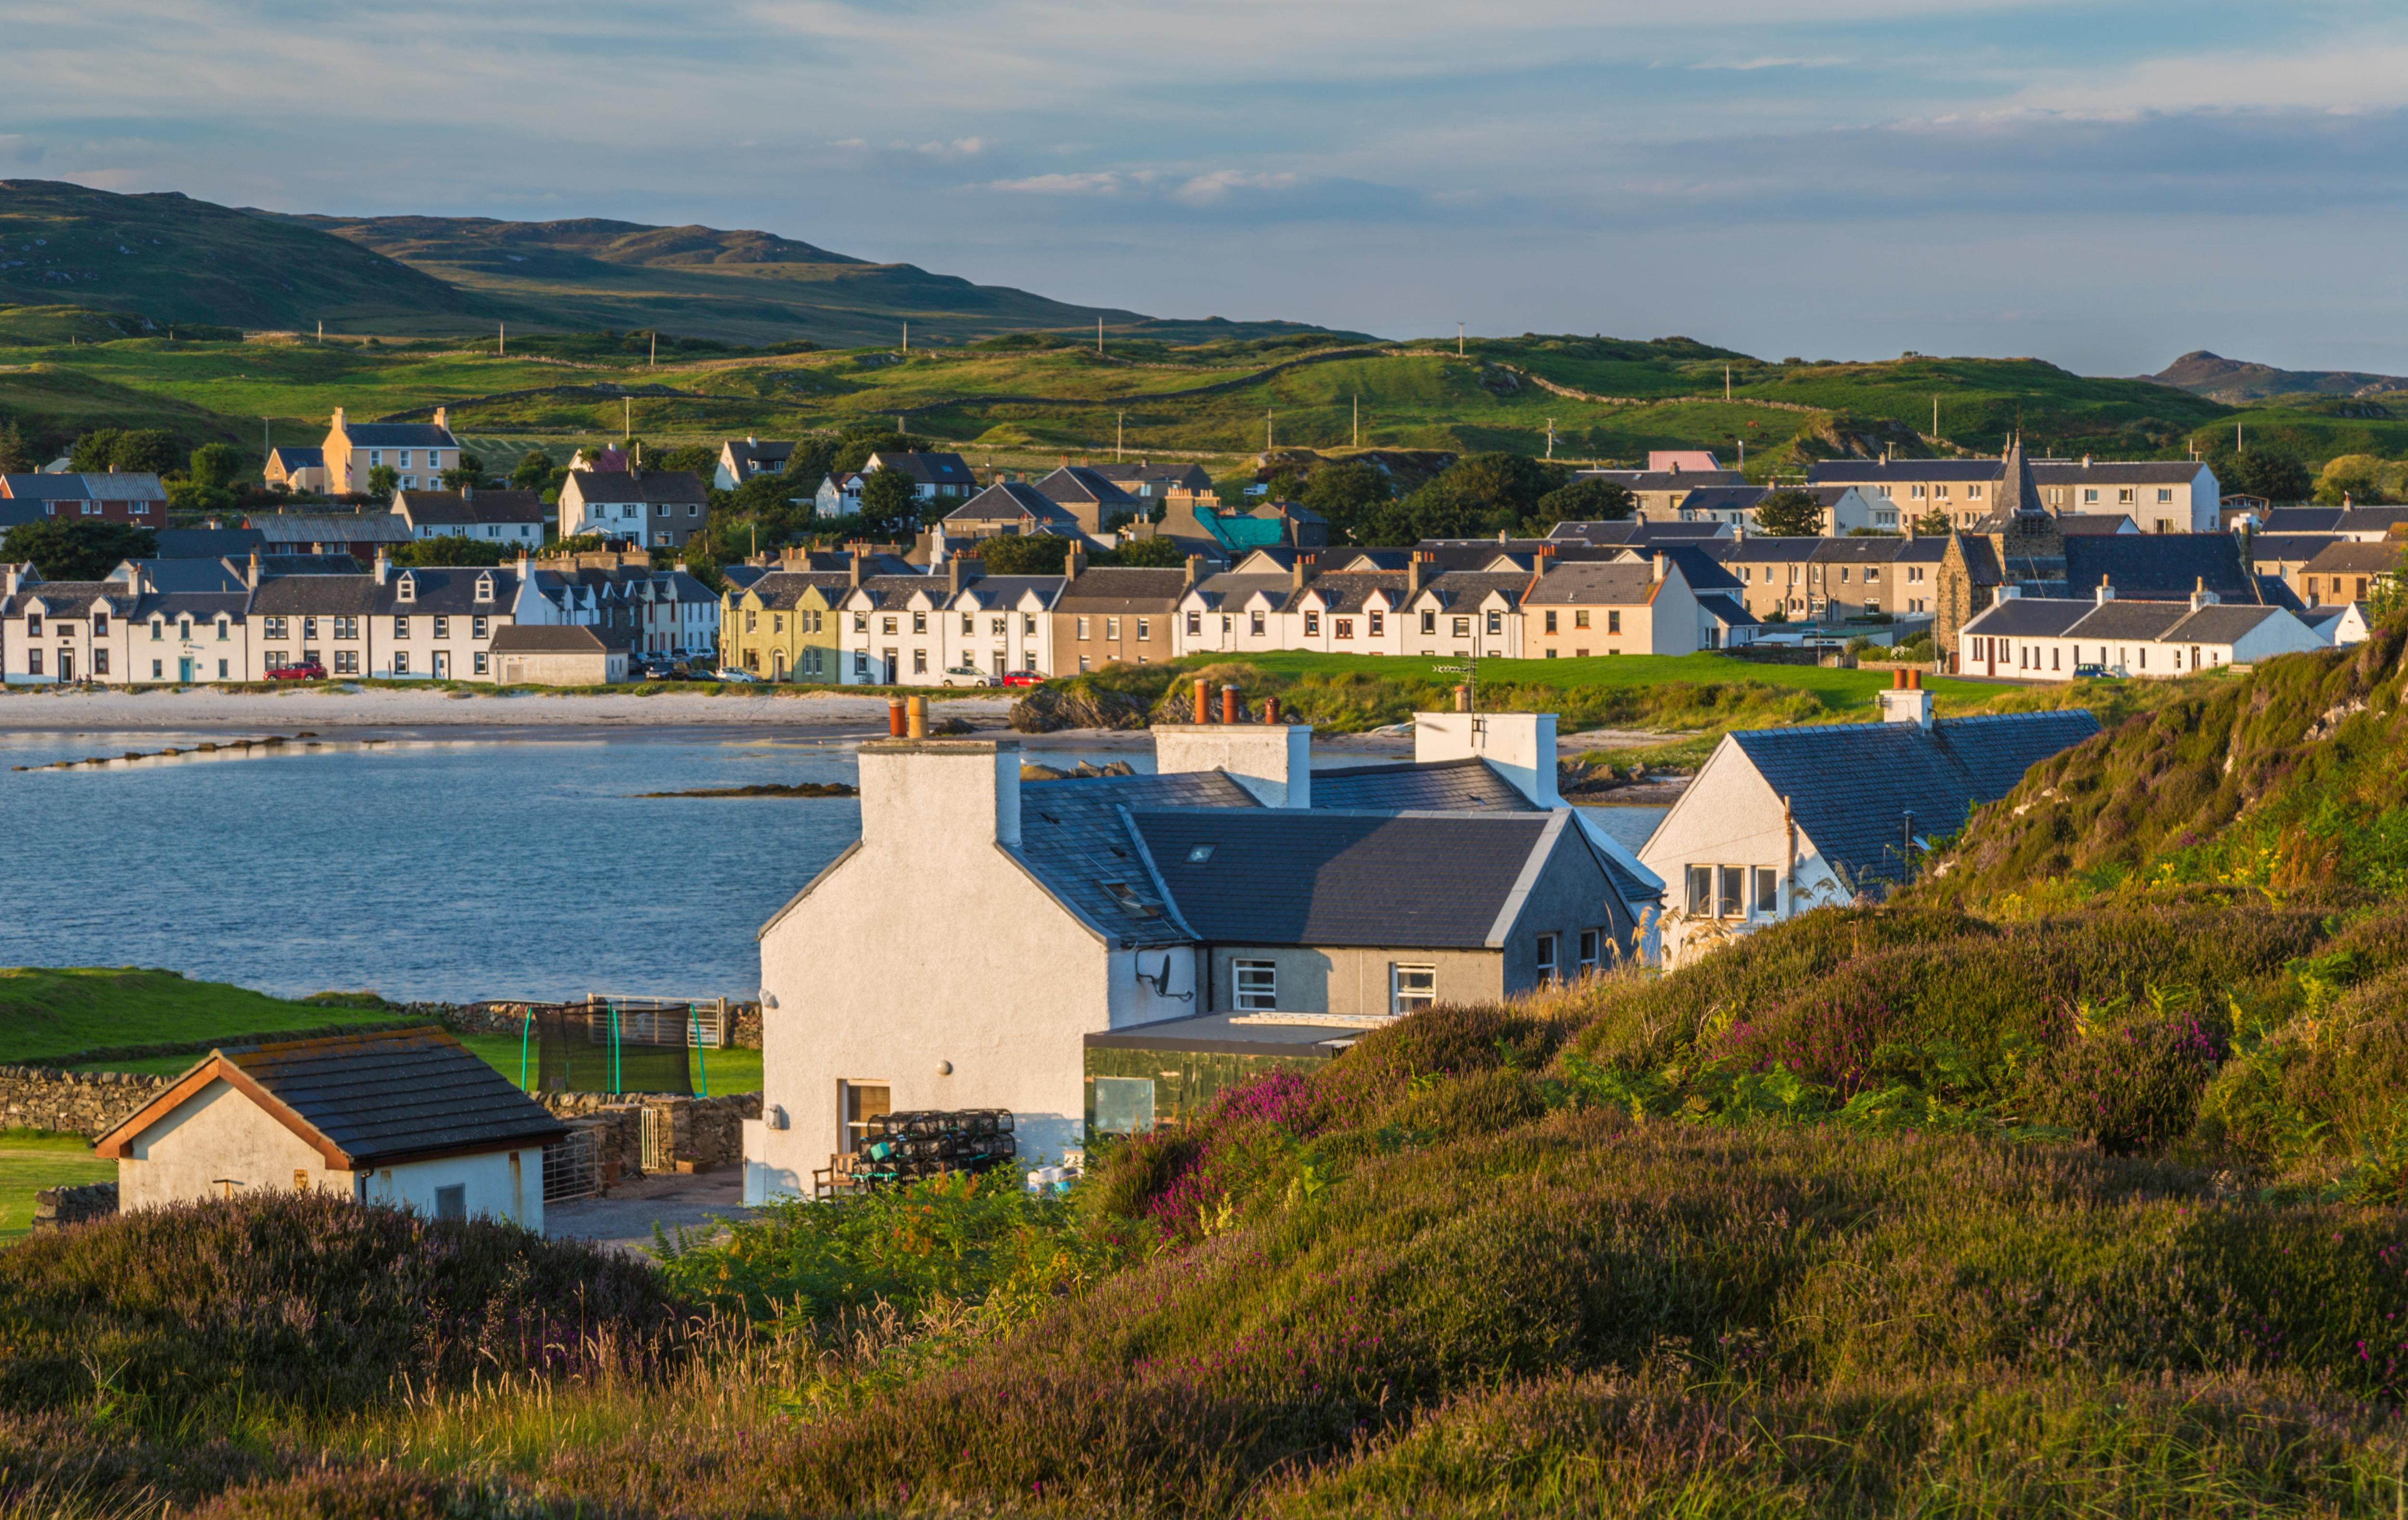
x=418, y=453
x=2057, y=638
x=960, y=954
x=406, y=1117
x=1611, y=607
x=1780, y=820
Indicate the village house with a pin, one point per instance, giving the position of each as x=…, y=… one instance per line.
x=1779, y=820
x=893, y=630
x=1095, y=502
x=1224, y=893
x=391, y=624
x=2058, y=637
x=2159, y=496
x=133, y=496
x=515, y=518
x=2347, y=571
x=935, y=476
x=1005, y=623
x=295, y=468
x=1655, y=492
x=407, y=1117
x=1116, y=615
x=784, y=626
x=741, y=459
x=1150, y=481
x=1007, y=506
x=1624, y=606
x=359, y=535
x=1632, y=533
x=418, y=453
x=838, y=495
x=550, y=654
x=658, y=508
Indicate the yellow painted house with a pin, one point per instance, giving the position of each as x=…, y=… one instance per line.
x=784, y=626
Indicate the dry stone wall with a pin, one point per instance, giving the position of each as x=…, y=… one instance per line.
x=86, y=1103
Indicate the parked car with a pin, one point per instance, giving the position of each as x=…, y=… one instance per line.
x=1023, y=678
x=729, y=672
x=303, y=671
x=970, y=676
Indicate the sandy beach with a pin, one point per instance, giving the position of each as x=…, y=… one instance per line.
x=325, y=708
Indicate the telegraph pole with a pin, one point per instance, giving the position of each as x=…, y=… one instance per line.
x=1726, y=386
x=1267, y=430
x=1551, y=438
x=1458, y=340
x=907, y=338
x=656, y=349
x=1120, y=431
x=502, y=352
x=1358, y=419
x=1100, y=337
x=626, y=417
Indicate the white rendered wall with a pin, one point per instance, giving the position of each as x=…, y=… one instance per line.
x=501, y=1185
x=215, y=1136
x=1522, y=745
x=1729, y=816
x=927, y=946
x=1271, y=761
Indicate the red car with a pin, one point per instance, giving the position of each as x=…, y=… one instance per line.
x=1023, y=678
x=306, y=670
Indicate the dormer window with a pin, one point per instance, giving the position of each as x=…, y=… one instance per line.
x=100, y=625
x=484, y=588
x=33, y=626
x=158, y=628
x=406, y=589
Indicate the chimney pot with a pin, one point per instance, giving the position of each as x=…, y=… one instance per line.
x=1463, y=699
x=1201, y=715
x=893, y=717
x=1229, y=704
x=1270, y=709
x=915, y=722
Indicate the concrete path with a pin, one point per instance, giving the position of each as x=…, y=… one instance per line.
x=625, y=1220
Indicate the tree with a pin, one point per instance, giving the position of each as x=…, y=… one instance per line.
x=1585, y=501
x=149, y=450
x=1933, y=522
x=698, y=458
x=1030, y=554
x=78, y=549
x=91, y=451
x=452, y=549
x=890, y=504
x=216, y=466
x=383, y=481
x=1346, y=494
x=1474, y=498
x=1791, y=514
x=535, y=472
x=2275, y=474
x=16, y=454
x=1154, y=551
x=2356, y=477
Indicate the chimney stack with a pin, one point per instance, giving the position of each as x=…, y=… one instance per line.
x=1074, y=563
x=1201, y=716
x=1413, y=574
x=952, y=575
x=1906, y=701
x=2200, y=596
x=852, y=564
x=1195, y=569
x=2106, y=591
x=383, y=565
x=443, y=418
x=253, y=577
x=1229, y=704
x=1662, y=560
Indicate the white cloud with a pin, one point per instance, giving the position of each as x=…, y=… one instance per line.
x=1749, y=65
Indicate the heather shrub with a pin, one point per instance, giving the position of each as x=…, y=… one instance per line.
x=2130, y=1082
x=309, y=1301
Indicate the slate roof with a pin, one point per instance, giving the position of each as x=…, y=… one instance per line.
x=328, y=527
x=1723, y=498
x=1765, y=550
x=1191, y=476
x=1080, y=483
x=559, y=639
x=444, y=591
x=743, y=576
x=927, y=466
x=208, y=543
x=2116, y=472
x=1231, y=590
x=2279, y=547
x=2120, y=618
x=424, y=507
x=1632, y=531
x=649, y=486
x=398, y=435
x=1350, y=591
x=1005, y=591
x=2071, y=524
x=1075, y=836
x=73, y=598
x=1119, y=589
x=1591, y=583
x=1469, y=588
x=1848, y=784
x=1662, y=480
x=780, y=590
x=753, y=454
x=2160, y=565
x=1285, y=878
x=2303, y=520
x=2028, y=617
x=2219, y=623
x=44, y=488
x=1900, y=472
x=1698, y=567
x=2371, y=519
x=2351, y=558
x=1468, y=785
x=895, y=589
x=1013, y=501
x=312, y=458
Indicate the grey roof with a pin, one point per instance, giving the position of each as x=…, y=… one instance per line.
x=208, y=543
x=328, y=527
x=381, y=1096
x=754, y=452
x=195, y=574
x=1075, y=836
x=1468, y=785
x=1633, y=532
x=1899, y=471
x=2120, y=618
x=2303, y=520
x=1119, y=588
x=398, y=435
x=2028, y=617
x=1012, y=501
x=445, y=590
x=1849, y=784
x=1594, y=583
x=897, y=590
x=1233, y=590
x=75, y=597
x=1288, y=877
x=1079, y=482
x=1723, y=498
x=1470, y=588
x=647, y=486
x=2158, y=566
x=1761, y=549
x=44, y=487
x=1698, y=567
x=2264, y=547
x=2372, y=519
x=1221, y=1034
x=927, y=467
x=2219, y=623
x=2348, y=558
x=201, y=605
x=1351, y=590
x=558, y=639
x=1192, y=476
x=2071, y=524
x=1662, y=480
x=2117, y=472
x=1854, y=551
x=297, y=456
x=476, y=507
x=743, y=576
x=1001, y=590
x=782, y=588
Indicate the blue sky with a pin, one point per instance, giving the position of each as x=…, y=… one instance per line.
x=2101, y=184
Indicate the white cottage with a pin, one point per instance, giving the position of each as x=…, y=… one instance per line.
x=408, y=1117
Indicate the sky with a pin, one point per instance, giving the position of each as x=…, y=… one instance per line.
x=2105, y=184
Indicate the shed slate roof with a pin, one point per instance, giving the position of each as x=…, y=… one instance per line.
x=2219, y=623
x=2028, y=617
x=1590, y=584
x=1285, y=878
x=2349, y=557
x=370, y=1099
x=559, y=639
x=477, y=507
x=1468, y=785
x=328, y=527
x=2159, y=565
x=208, y=543
x=1848, y=784
x=1122, y=588
x=1075, y=838
x=2303, y=520
x=2284, y=548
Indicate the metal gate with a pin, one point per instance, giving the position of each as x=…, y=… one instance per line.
x=569, y=1166
x=659, y=1140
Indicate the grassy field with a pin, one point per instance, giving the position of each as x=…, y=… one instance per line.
x=30, y=1162
x=46, y=1014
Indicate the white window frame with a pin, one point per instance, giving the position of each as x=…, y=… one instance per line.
x=1413, y=985
x=1253, y=986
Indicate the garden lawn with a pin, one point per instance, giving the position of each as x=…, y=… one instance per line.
x=1840, y=691
x=48, y=1012
x=725, y=1071
x=30, y=1162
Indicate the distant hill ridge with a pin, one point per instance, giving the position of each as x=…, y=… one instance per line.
x=178, y=259
x=2237, y=382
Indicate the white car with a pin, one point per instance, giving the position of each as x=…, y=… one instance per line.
x=730, y=673
x=969, y=676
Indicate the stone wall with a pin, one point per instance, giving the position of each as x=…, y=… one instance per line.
x=57, y=1207
x=704, y=1132
x=86, y=1103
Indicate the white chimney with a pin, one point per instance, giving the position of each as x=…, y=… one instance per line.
x=2105, y=594
x=1906, y=701
x=383, y=565
x=929, y=796
x=1520, y=745
x=2200, y=596
x=443, y=418
x=1662, y=561
x=1273, y=762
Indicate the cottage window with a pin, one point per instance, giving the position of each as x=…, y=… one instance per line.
x=1768, y=892
x=1579, y=617
x=1342, y=627
x=347, y=662
x=890, y=625
x=861, y=622
x=970, y=625
x=401, y=627
x=1311, y=624
x=750, y=620
x=184, y=626
x=1375, y=624
x=1614, y=620
x=919, y=662
x=1144, y=630
x=100, y=664
x=1549, y=968
x=1411, y=987
x=1124, y=1106
x=1701, y=899
x=1496, y=624
x=864, y=1103
x=401, y=662
x=344, y=628
x=1112, y=630
x=1463, y=627
x=159, y=628
x=1972, y=493
x=1028, y=623
x=1258, y=984
x=1551, y=622
x=1430, y=622
x=478, y=659
x=477, y=630
x=33, y=662
x=1731, y=902
x=34, y=625
x=223, y=629
x=2125, y=495
x=1589, y=940
x=2089, y=496
x=919, y=623
x=1254, y=625
x=1002, y=627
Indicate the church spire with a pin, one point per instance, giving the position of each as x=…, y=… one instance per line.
x=2018, y=494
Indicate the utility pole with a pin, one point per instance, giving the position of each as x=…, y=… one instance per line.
x=626, y=417
x=1100, y=337
x=1458, y=340
x=1551, y=438
x=1358, y=419
x=1120, y=431
x=656, y=349
x=322, y=329
x=1726, y=384
x=504, y=352
x=1935, y=419
x=907, y=338
x=1267, y=430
